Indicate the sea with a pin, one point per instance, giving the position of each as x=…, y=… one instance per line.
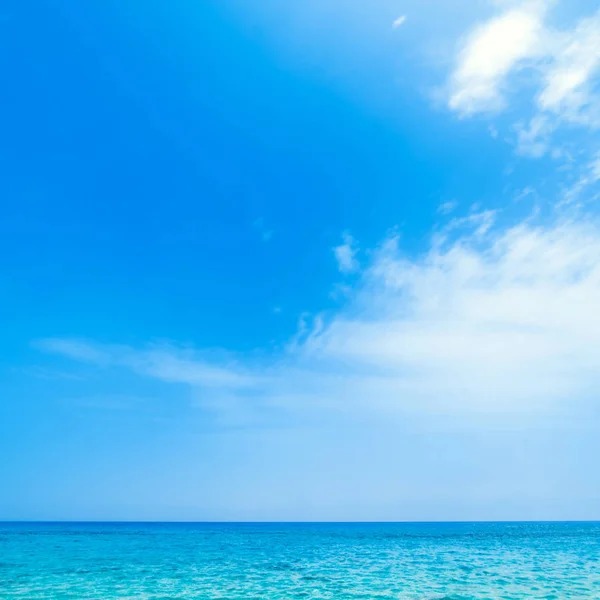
x=416, y=561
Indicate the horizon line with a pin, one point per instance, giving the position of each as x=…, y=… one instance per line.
x=262, y=522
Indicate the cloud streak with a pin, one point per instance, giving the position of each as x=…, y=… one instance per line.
x=160, y=361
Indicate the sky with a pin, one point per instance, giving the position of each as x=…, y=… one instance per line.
x=329, y=260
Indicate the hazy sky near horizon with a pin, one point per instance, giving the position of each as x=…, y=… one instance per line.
x=324, y=260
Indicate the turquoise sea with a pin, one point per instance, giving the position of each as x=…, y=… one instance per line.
x=456, y=561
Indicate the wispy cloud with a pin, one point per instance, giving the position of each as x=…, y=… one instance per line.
x=345, y=254
x=479, y=222
x=501, y=321
x=161, y=361
x=587, y=181
x=567, y=88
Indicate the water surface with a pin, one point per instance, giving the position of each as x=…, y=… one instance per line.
x=286, y=561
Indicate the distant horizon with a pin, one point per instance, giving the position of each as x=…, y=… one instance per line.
x=306, y=522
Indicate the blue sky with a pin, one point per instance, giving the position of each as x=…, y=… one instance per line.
x=313, y=261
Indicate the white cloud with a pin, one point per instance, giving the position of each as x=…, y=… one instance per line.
x=491, y=51
x=399, y=21
x=563, y=64
x=345, y=254
x=492, y=321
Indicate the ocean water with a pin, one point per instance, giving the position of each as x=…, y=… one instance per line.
x=285, y=561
